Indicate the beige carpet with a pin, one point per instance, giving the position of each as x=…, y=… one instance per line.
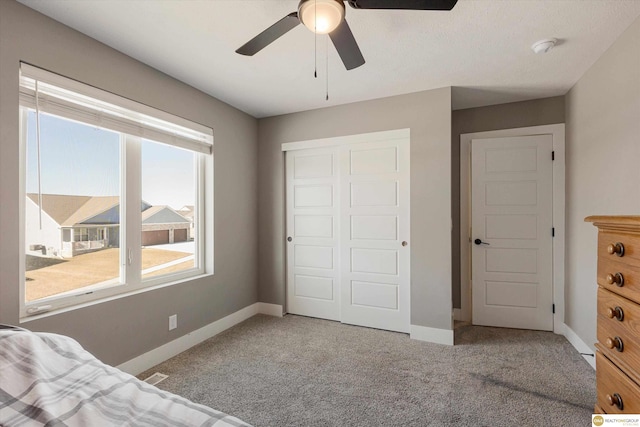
x=298, y=371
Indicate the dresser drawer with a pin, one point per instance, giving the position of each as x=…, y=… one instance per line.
x=614, y=386
x=608, y=242
x=612, y=272
x=613, y=334
x=622, y=314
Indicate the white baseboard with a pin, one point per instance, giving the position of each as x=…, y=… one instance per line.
x=158, y=355
x=434, y=335
x=559, y=327
x=579, y=345
x=270, y=309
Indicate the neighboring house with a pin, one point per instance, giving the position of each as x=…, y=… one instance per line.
x=161, y=224
x=72, y=225
x=187, y=211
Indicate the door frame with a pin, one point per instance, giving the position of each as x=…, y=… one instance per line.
x=557, y=131
x=339, y=141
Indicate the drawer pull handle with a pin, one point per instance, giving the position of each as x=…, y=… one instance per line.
x=616, y=400
x=615, y=343
x=616, y=248
x=616, y=313
x=617, y=278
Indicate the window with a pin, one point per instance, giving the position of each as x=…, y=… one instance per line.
x=168, y=184
x=80, y=235
x=117, y=195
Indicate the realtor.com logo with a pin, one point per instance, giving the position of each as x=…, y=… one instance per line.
x=617, y=420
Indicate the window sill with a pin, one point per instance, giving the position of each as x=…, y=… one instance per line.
x=55, y=312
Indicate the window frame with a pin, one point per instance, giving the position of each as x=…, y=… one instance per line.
x=130, y=279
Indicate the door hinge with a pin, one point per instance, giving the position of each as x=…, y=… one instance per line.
x=553, y=308
x=553, y=155
x=553, y=232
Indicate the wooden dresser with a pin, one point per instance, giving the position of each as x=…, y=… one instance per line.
x=618, y=355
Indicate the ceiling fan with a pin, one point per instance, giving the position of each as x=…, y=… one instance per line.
x=327, y=17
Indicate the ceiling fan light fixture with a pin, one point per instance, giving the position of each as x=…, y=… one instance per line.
x=321, y=16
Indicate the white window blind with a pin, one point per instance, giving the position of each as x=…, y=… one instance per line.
x=77, y=101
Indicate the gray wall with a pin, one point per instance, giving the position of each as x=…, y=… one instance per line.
x=603, y=177
x=536, y=112
x=428, y=115
x=119, y=330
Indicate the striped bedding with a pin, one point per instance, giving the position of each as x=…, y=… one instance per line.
x=50, y=380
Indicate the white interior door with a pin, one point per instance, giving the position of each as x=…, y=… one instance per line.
x=375, y=222
x=313, y=273
x=511, y=232
x=347, y=219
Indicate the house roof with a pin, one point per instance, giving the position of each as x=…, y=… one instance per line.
x=69, y=210
x=186, y=211
x=93, y=207
x=162, y=215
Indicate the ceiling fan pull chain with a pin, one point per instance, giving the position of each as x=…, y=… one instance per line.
x=315, y=39
x=327, y=64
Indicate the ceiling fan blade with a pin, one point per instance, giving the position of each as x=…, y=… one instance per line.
x=347, y=47
x=269, y=35
x=404, y=4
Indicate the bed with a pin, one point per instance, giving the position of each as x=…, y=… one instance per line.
x=50, y=380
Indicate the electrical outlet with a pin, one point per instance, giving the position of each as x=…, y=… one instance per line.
x=173, y=322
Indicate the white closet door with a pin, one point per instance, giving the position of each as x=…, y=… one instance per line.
x=313, y=272
x=348, y=254
x=375, y=247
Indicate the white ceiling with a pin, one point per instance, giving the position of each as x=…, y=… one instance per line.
x=481, y=48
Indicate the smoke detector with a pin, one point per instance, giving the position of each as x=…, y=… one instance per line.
x=543, y=46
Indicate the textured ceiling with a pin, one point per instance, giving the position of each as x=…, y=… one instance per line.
x=481, y=48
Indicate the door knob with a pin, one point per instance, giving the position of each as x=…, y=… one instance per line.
x=404, y=243
x=480, y=242
x=289, y=239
